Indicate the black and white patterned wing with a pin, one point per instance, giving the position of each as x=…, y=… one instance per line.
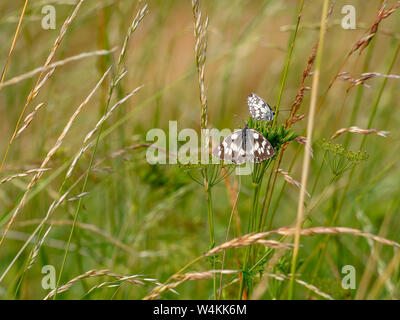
x=259, y=109
x=258, y=148
x=231, y=148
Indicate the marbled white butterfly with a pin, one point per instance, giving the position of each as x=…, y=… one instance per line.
x=244, y=145
x=259, y=109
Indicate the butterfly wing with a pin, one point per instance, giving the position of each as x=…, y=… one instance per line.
x=259, y=109
x=258, y=148
x=231, y=148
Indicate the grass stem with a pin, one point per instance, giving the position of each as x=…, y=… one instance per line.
x=306, y=159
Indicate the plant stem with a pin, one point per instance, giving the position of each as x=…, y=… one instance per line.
x=211, y=230
x=250, y=229
x=210, y=218
x=306, y=160
x=287, y=63
x=77, y=211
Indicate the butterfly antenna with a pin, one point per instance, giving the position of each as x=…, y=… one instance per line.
x=283, y=110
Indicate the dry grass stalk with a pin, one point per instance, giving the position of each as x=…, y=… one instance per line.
x=373, y=29
x=353, y=82
x=121, y=280
x=360, y=131
x=364, y=41
x=95, y=273
x=246, y=240
x=4, y=72
x=35, y=252
x=50, y=154
x=135, y=22
x=369, y=75
x=296, y=118
x=54, y=65
x=35, y=91
x=280, y=277
x=334, y=231
x=76, y=159
x=185, y=277
x=28, y=119
x=63, y=31
x=307, y=158
x=292, y=118
x=79, y=196
x=290, y=180
x=303, y=140
x=200, y=35
x=23, y=174
x=41, y=80
x=314, y=289
x=364, y=77
x=202, y=275
x=361, y=43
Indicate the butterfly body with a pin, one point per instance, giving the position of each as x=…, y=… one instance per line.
x=259, y=108
x=244, y=145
